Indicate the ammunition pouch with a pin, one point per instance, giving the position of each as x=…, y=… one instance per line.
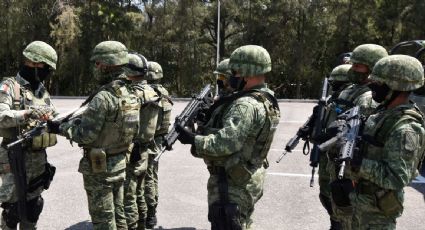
x=388, y=202
x=224, y=216
x=43, y=141
x=97, y=159
x=340, y=190
x=44, y=180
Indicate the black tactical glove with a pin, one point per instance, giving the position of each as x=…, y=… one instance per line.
x=185, y=136
x=53, y=126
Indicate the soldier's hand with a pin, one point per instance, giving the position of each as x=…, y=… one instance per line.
x=53, y=126
x=185, y=136
x=42, y=114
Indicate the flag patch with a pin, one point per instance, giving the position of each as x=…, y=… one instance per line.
x=5, y=88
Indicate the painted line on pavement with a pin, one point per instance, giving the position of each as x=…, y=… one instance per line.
x=296, y=122
x=418, y=180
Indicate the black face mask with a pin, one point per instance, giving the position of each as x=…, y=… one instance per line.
x=379, y=91
x=237, y=83
x=337, y=85
x=34, y=75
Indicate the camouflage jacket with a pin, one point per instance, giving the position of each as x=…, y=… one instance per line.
x=236, y=132
x=359, y=95
x=394, y=141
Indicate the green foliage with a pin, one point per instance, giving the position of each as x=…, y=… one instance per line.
x=303, y=37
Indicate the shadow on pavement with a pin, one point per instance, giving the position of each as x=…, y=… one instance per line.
x=85, y=225
x=183, y=228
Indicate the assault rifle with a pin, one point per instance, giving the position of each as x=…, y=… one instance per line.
x=348, y=136
x=198, y=103
x=312, y=129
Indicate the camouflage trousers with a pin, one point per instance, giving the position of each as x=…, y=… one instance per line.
x=343, y=215
x=245, y=194
x=367, y=216
x=133, y=186
x=150, y=200
x=105, y=196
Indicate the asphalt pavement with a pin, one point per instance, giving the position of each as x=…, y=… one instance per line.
x=288, y=201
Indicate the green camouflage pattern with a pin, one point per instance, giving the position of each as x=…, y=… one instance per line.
x=364, y=100
x=164, y=116
x=368, y=54
x=38, y=51
x=136, y=61
x=12, y=116
x=134, y=182
x=340, y=73
x=387, y=169
x=250, y=60
x=223, y=68
x=105, y=190
x=105, y=195
x=399, y=72
x=154, y=71
x=110, y=53
x=231, y=138
x=151, y=187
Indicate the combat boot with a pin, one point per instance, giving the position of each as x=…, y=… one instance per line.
x=151, y=221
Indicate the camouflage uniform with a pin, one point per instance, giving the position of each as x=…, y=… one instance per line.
x=338, y=80
x=148, y=197
x=394, y=141
x=357, y=94
x=105, y=131
x=17, y=99
x=223, y=73
x=236, y=141
x=137, y=166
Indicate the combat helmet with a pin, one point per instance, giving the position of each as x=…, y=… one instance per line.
x=223, y=68
x=137, y=65
x=110, y=53
x=250, y=60
x=340, y=73
x=368, y=54
x=38, y=51
x=154, y=71
x=399, y=72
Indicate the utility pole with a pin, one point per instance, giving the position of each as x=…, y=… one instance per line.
x=218, y=41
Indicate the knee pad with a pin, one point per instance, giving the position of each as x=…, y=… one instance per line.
x=10, y=214
x=34, y=208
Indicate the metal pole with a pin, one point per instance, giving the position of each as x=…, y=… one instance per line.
x=218, y=42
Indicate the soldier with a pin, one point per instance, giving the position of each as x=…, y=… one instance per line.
x=148, y=197
x=236, y=141
x=338, y=80
x=105, y=130
x=136, y=71
x=223, y=73
x=24, y=102
x=394, y=140
x=363, y=59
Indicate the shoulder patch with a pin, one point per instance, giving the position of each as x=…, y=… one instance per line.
x=410, y=141
x=4, y=88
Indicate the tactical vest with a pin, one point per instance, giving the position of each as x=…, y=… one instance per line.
x=252, y=154
x=164, y=116
x=148, y=111
x=24, y=99
x=375, y=137
x=119, y=130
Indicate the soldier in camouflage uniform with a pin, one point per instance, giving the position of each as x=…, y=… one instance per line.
x=136, y=71
x=148, y=197
x=236, y=141
x=24, y=102
x=363, y=59
x=393, y=144
x=105, y=130
x=338, y=80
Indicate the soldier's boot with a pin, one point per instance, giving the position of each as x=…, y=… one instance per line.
x=335, y=225
x=9, y=216
x=141, y=225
